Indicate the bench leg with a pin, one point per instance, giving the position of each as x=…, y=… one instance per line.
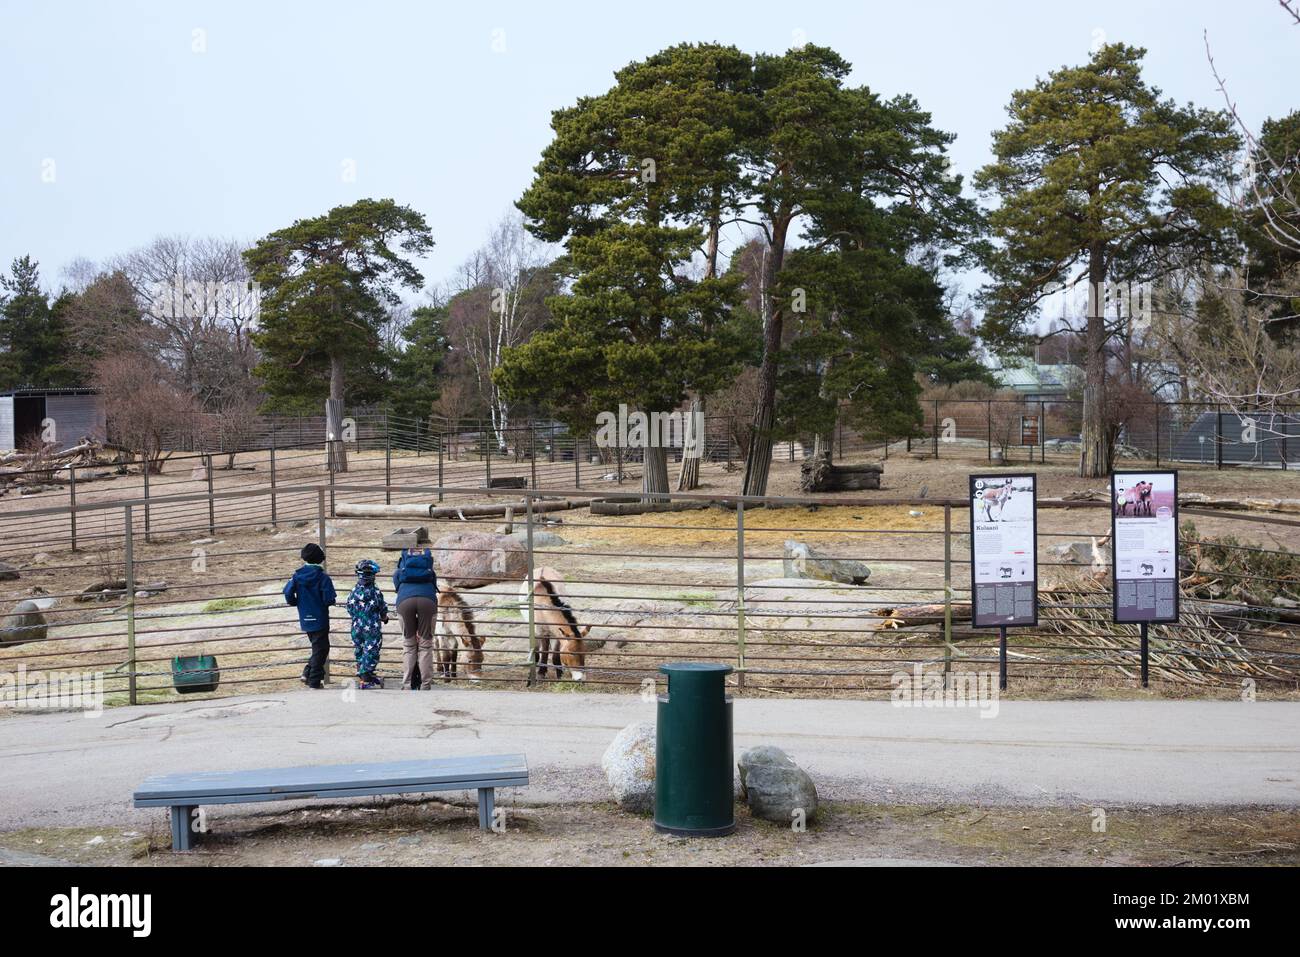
x=182, y=827
x=486, y=804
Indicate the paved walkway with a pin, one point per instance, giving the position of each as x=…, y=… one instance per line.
x=65, y=769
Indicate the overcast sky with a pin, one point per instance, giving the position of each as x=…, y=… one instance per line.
x=235, y=118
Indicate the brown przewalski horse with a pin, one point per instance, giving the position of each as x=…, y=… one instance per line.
x=453, y=628
x=554, y=621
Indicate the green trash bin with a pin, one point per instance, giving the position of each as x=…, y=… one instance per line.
x=694, y=771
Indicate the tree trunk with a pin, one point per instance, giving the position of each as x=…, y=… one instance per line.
x=654, y=474
x=689, y=477
x=758, y=461
x=336, y=454
x=1095, y=448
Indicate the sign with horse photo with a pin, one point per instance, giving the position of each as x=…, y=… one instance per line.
x=1004, y=550
x=1144, y=533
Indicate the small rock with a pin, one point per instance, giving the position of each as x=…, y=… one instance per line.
x=774, y=786
x=97, y=839
x=915, y=513
x=541, y=538
x=328, y=862
x=803, y=561
x=24, y=623
x=372, y=846
x=400, y=538
x=8, y=572
x=629, y=765
x=40, y=558
x=409, y=839
x=204, y=541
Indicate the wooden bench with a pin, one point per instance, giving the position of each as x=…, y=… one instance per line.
x=185, y=792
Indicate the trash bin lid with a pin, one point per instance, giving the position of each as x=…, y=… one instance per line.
x=673, y=667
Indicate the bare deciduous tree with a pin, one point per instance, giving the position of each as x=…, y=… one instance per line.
x=500, y=303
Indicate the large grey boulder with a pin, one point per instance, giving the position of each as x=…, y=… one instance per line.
x=8, y=572
x=475, y=559
x=629, y=765
x=1079, y=553
x=774, y=786
x=25, y=623
x=803, y=561
x=541, y=538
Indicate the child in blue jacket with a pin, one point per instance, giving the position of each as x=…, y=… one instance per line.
x=369, y=614
x=311, y=591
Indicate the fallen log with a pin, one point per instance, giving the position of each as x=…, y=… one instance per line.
x=905, y=616
x=820, y=475
x=362, y=510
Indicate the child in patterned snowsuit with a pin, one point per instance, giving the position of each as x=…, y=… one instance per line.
x=369, y=614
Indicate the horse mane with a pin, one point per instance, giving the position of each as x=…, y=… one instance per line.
x=560, y=603
x=462, y=606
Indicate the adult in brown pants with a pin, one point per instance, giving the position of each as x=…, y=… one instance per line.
x=417, y=603
x=417, y=640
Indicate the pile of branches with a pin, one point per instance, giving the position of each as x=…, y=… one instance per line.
x=1204, y=649
x=1225, y=568
x=45, y=464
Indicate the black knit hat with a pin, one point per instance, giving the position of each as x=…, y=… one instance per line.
x=312, y=554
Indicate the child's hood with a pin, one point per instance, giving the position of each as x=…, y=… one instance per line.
x=309, y=575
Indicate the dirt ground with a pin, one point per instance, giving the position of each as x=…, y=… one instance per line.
x=396, y=832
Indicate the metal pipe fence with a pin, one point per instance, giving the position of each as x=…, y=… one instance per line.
x=700, y=577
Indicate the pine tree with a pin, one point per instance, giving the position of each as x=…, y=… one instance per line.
x=1099, y=180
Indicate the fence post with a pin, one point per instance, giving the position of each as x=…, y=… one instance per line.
x=212, y=508
x=487, y=457
x=936, y=428
x=144, y=470
x=128, y=532
x=947, y=592
x=532, y=453
x=330, y=458
x=1042, y=432
x=440, y=485
x=320, y=517
x=1218, y=436
x=577, y=468
x=532, y=624
x=274, y=516
x=72, y=504
x=388, y=466
x=1159, y=406
x=988, y=416
x=321, y=533
x=740, y=595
